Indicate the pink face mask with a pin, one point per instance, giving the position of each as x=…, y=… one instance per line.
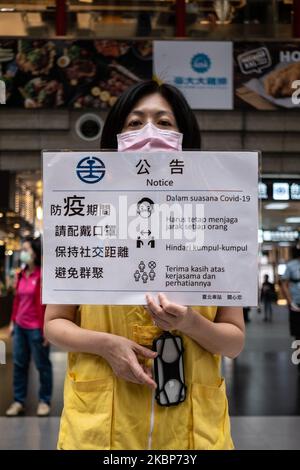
x=149, y=138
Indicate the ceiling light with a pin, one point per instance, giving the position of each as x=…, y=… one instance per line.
x=293, y=220
x=276, y=206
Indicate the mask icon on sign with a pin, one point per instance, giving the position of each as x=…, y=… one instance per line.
x=145, y=207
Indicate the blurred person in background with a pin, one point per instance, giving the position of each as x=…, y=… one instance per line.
x=27, y=330
x=267, y=296
x=291, y=290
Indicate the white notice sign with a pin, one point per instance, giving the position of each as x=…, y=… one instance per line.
x=119, y=225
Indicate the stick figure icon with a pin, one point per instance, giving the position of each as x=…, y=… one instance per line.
x=142, y=266
x=151, y=243
x=139, y=242
x=141, y=274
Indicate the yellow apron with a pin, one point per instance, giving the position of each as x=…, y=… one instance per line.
x=105, y=413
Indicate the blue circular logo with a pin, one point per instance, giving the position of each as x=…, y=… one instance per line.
x=201, y=63
x=90, y=170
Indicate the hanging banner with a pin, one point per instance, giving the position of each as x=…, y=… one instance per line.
x=119, y=225
x=93, y=73
x=201, y=70
x=40, y=73
x=267, y=75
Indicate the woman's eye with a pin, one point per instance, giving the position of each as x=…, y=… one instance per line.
x=134, y=123
x=164, y=123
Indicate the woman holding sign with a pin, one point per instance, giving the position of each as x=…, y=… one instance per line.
x=110, y=390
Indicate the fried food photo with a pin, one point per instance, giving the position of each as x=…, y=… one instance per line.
x=279, y=82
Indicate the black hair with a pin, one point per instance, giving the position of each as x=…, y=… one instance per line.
x=185, y=118
x=145, y=199
x=36, y=247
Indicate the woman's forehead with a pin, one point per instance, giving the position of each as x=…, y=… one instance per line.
x=152, y=103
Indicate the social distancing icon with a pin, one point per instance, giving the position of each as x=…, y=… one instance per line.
x=142, y=274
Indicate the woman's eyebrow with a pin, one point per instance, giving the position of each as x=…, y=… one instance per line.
x=136, y=111
x=160, y=113
x=157, y=113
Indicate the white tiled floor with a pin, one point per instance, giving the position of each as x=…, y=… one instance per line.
x=249, y=433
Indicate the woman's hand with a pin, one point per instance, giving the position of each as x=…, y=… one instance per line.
x=122, y=355
x=167, y=315
x=225, y=335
